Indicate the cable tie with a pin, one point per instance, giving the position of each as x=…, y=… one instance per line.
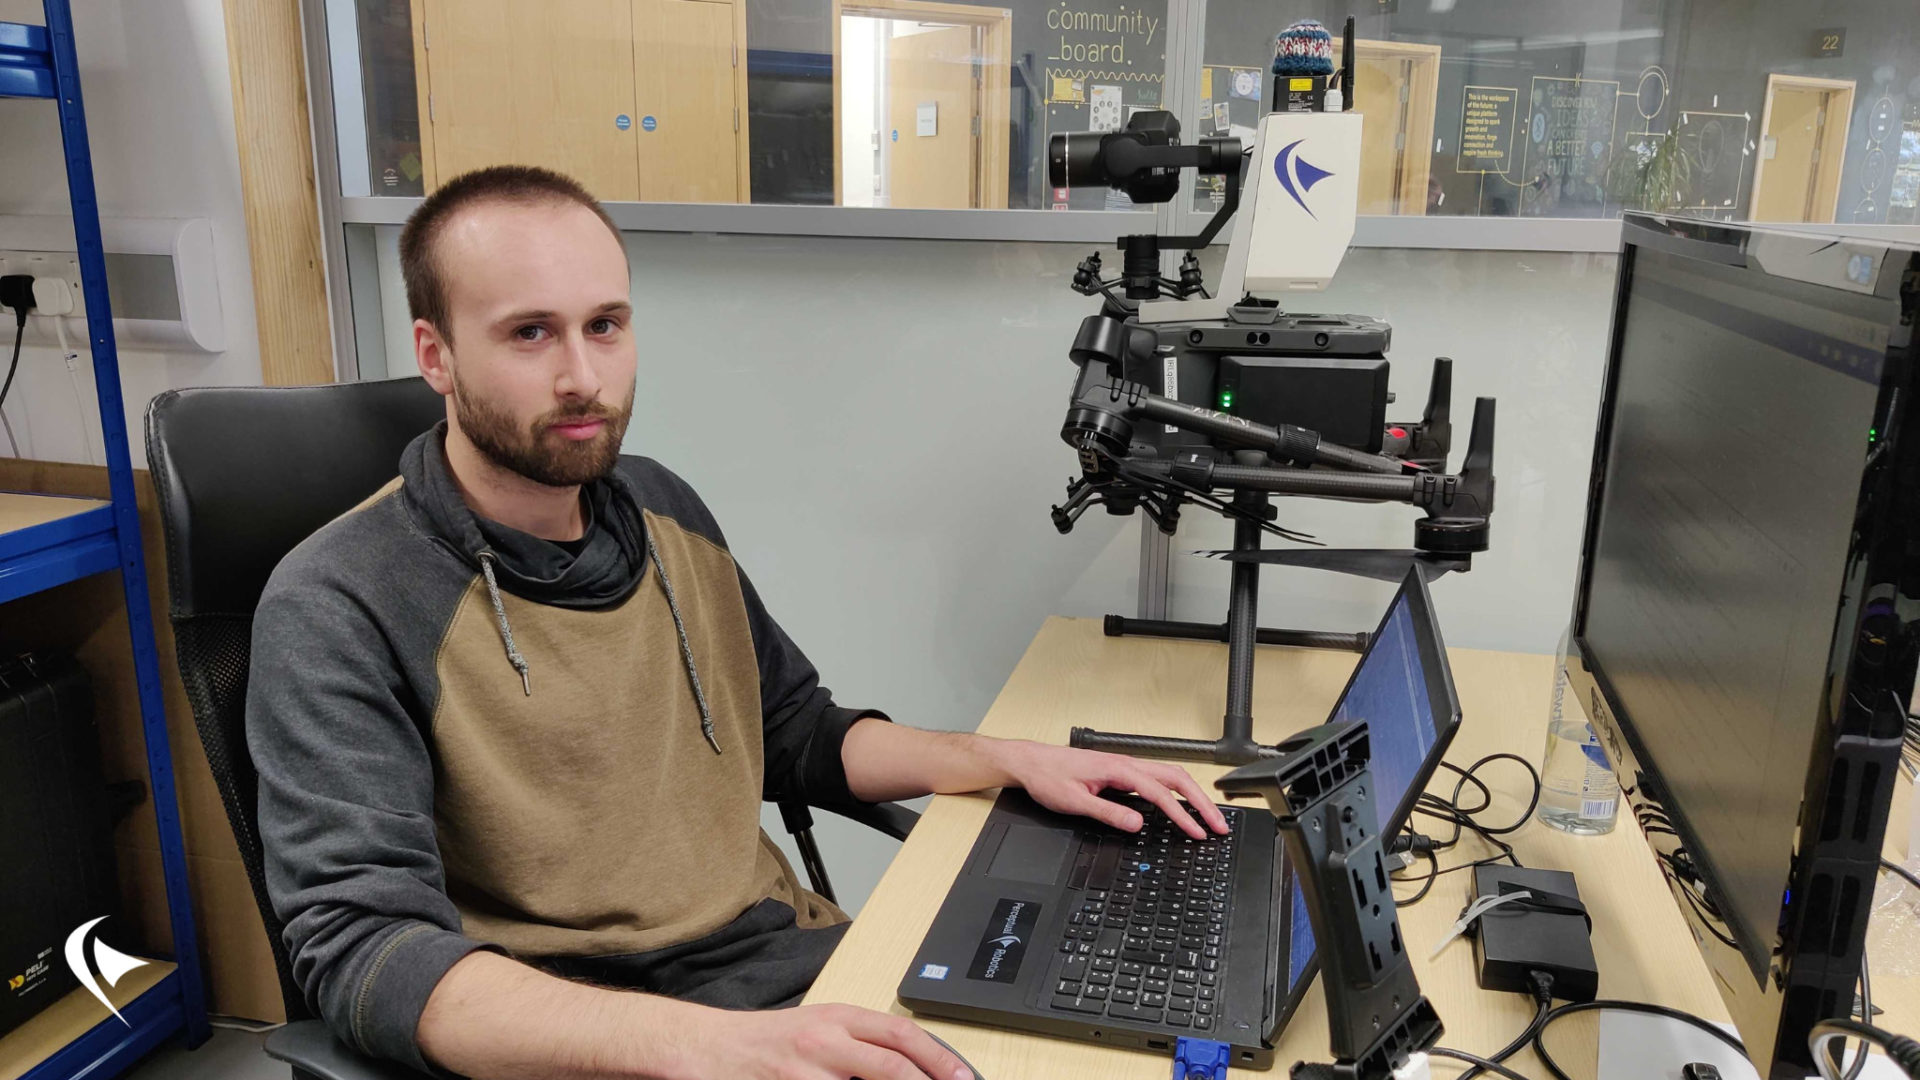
x=1474, y=911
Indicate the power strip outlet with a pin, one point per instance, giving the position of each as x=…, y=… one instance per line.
x=61, y=265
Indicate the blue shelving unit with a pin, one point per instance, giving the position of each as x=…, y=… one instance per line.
x=84, y=537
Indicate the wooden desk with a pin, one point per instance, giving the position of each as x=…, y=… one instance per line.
x=1073, y=675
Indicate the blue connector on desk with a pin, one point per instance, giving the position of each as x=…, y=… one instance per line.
x=1201, y=1059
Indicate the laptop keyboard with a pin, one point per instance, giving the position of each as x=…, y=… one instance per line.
x=1149, y=937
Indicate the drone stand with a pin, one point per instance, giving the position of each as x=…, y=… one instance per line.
x=1241, y=633
x=1121, y=626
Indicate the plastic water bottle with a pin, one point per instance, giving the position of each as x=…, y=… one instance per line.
x=1578, y=791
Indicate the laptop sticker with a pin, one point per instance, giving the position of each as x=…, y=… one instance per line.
x=1003, y=944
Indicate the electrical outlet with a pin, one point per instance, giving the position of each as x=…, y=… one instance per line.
x=47, y=264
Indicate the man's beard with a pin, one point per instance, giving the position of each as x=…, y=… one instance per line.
x=536, y=451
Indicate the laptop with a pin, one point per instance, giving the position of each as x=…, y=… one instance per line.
x=1063, y=926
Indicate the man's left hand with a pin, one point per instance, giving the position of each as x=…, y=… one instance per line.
x=1069, y=781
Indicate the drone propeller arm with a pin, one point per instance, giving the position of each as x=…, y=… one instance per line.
x=1287, y=442
x=1458, y=505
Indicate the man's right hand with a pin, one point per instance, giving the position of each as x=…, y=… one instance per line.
x=827, y=1042
x=493, y=1018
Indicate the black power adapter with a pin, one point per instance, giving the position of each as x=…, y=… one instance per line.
x=1548, y=932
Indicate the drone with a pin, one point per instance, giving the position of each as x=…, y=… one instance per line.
x=1222, y=399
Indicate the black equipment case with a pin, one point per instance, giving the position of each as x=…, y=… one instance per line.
x=56, y=841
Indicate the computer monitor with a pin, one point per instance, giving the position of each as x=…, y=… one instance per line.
x=1403, y=689
x=1743, y=627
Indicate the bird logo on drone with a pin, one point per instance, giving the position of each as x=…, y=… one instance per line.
x=1298, y=175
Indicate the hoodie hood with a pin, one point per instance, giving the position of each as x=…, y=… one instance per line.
x=605, y=571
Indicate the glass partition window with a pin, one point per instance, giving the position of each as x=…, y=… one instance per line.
x=1731, y=109
x=883, y=103
x=1575, y=109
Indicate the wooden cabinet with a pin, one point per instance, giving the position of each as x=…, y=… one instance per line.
x=640, y=100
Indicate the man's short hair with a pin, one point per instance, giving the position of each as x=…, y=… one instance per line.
x=525, y=184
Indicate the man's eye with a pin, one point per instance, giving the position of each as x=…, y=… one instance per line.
x=603, y=326
x=530, y=333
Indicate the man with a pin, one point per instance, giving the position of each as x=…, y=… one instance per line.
x=515, y=715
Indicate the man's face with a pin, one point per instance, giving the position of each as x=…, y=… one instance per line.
x=540, y=367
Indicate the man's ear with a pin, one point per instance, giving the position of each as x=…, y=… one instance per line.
x=430, y=352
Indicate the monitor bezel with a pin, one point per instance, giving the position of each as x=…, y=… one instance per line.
x=1872, y=661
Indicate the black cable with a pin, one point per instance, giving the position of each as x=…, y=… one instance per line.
x=1543, y=995
x=1448, y=809
x=19, y=331
x=1426, y=883
x=1866, y=1013
x=1466, y=777
x=1902, y=872
x=1533, y=803
x=1901, y=1050
x=1478, y=1063
x=1540, y=1036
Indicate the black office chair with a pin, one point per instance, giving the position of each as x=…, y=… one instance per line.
x=243, y=474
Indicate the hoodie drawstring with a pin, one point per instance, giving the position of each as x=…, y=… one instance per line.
x=519, y=662
x=506, y=632
x=686, y=649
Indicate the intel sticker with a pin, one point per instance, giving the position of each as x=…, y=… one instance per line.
x=1004, y=943
x=934, y=971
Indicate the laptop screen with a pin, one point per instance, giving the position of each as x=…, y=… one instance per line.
x=1393, y=690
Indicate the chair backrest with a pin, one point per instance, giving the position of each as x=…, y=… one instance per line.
x=244, y=474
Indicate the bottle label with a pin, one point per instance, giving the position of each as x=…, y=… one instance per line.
x=1597, y=808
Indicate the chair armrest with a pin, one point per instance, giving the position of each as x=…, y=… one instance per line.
x=309, y=1046
x=890, y=818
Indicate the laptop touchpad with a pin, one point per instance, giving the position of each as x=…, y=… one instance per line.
x=1032, y=854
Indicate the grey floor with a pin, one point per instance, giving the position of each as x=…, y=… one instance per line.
x=228, y=1055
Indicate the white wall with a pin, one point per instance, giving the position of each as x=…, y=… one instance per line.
x=160, y=117
x=875, y=424
x=1526, y=328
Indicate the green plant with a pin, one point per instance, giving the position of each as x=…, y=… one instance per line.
x=1654, y=174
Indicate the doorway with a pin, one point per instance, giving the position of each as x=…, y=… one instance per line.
x=1396, y=87
x=921, y=104
x=1796, y=175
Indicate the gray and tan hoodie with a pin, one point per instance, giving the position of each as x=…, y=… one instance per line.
x=470, y=737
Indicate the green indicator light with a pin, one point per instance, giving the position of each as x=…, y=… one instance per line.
x=1226, y=399
x=1873, y=433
